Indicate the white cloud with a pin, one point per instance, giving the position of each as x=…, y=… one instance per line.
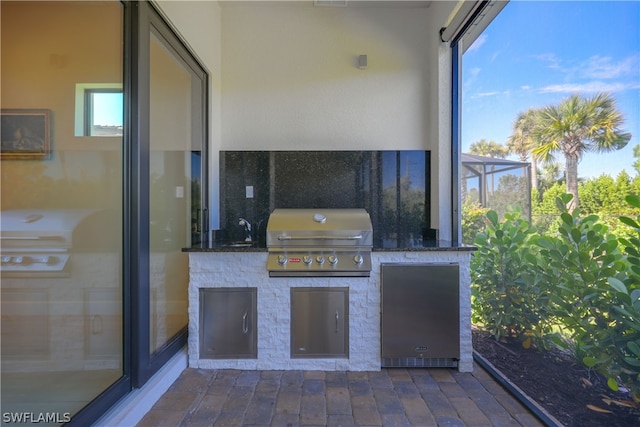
x=471, y=75
x=597, y=67
x=488, y=94
x=603, y=67
x=589, y=87
x=482, y=38
x=550, y=59
x=595, y=74
x=473, y=72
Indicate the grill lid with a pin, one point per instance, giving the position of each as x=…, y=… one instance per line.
x=41, y=228
x=319, y=242
x=38, y=243
x=319, y=228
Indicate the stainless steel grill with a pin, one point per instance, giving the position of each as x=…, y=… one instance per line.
x=319, y=242
x=39, y=243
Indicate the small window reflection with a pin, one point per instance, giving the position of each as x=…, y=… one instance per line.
x=103, y=112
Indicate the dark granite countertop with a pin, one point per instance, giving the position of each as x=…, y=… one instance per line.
x=427, y=246
x=224, y=247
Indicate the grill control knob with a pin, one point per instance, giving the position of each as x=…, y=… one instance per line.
x=319, y=218
x=333, y=260
x=320, y=259
x=306, y=259
x=282, y=260
x=357, y=259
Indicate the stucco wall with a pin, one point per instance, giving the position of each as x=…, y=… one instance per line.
x=290, y=79
x=284, y=77
x=74, y=43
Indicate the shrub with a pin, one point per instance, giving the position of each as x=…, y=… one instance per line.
x=625, y=363
x=544, y=213
x=580, y=262
x=579, y=276
x=507, y=298
x=473, y=221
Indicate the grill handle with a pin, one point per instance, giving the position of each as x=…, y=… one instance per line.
x=324, y=237
x=57, y=238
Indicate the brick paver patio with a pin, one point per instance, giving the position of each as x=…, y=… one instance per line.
x=391, y=397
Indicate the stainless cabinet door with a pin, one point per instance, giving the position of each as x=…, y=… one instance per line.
x=420, y=311
x=319, y=322
x=228, y=323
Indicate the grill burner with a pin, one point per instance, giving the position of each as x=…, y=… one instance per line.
x=41, y=243
x=319, y=242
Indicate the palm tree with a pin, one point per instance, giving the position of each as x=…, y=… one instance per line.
x=488, y=149
x=575, y=126
x=521, y=142
x=551, y=172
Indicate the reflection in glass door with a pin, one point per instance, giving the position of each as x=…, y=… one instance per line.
x=175, y=153
x=62, y=229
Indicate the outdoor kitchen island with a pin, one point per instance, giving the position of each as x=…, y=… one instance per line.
x=229, y=268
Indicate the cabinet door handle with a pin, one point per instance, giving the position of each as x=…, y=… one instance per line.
x=245, y=323
x=96, y=324
x=337, y=321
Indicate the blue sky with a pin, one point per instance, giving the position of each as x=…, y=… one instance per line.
x=108, y=109
x=536, y=53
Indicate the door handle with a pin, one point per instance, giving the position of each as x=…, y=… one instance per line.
x=245, y=323
x=96, y=324
x=337, y=322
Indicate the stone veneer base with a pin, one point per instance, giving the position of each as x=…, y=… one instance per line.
x=248, y=269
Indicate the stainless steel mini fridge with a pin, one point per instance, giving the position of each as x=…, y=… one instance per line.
x=420, y=315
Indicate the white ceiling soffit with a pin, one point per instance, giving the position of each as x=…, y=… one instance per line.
x=330, y=3
x=373, y=3
x=469, y=19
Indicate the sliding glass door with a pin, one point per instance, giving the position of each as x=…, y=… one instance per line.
x=173, y=114
x=103, y=172
x=62, y=291
x=171, y=95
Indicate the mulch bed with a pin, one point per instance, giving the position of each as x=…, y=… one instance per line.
x=573, y=394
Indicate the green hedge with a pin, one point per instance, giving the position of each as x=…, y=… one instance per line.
x=577, y=277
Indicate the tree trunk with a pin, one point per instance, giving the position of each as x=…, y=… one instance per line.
x=572, y=181
x=534, y=173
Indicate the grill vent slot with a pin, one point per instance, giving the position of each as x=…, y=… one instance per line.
x=419, y=362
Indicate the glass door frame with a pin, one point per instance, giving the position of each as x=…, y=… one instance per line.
x=144, y=363
x=138, y=362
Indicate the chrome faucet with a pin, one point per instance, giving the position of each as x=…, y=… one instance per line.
x=247, y=228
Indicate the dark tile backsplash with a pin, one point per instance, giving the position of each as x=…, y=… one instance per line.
x=393, y=186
